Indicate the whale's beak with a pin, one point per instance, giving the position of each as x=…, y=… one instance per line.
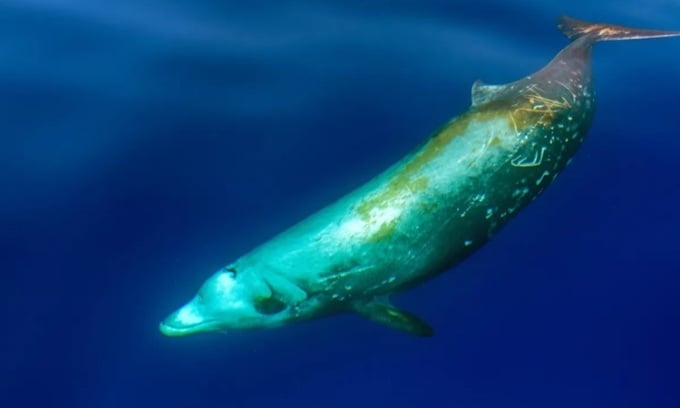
x=172, y=331
x=184, y=321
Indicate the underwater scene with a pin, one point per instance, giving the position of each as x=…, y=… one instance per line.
x=157, y=158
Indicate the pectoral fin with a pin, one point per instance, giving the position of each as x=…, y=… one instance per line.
x=390, y=316
x=279, y=294
x=285, y=290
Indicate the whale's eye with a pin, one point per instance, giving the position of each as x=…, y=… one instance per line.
x=231, y=270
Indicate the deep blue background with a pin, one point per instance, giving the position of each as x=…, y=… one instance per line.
x=147, y=143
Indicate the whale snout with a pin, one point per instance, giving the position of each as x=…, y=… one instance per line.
x=172, y=331
x=187, y=320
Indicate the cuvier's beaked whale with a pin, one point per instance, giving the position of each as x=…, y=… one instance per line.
x=421, y=216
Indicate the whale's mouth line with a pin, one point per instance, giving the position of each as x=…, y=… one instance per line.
x=173, y=331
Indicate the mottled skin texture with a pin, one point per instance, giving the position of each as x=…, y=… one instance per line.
x=421, y=216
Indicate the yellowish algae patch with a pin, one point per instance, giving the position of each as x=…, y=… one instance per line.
x=379, y=213
x=384, y=207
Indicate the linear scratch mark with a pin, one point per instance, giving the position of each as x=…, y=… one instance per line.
x=524, y=162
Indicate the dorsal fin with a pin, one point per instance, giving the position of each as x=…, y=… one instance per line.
x=483, y=93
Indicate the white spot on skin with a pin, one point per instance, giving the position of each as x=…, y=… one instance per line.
x=351, y=227
x=384, y=215
x=467, y=242
x=520, y=192
x=392, y=279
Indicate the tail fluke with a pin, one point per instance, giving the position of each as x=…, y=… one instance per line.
x=574, y=28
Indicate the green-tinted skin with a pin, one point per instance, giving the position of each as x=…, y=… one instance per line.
x=418, y=218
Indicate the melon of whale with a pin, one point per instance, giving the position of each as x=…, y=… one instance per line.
x=421, y=216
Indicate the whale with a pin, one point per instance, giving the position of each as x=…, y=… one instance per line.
x=424, y=214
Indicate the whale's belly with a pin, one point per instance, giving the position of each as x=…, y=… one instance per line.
x=433, y=208
x=448, y=199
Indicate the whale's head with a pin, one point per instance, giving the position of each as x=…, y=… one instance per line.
x=229, y=300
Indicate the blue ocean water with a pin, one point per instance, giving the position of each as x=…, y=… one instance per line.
x=147, y=143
